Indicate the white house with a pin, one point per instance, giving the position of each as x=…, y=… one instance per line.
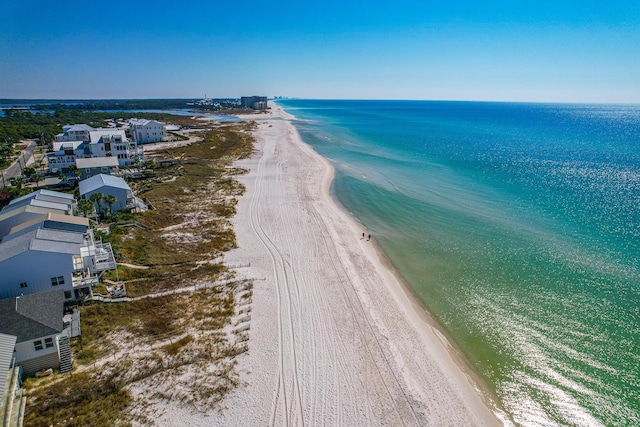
x=111, y=185
x=42, y=341
x=64, y=155
x=113, y=143
x=146, y=131
x=66, y=255
x=85, y=142
x=74, y=133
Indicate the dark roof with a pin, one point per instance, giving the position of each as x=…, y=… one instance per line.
x=32, y=316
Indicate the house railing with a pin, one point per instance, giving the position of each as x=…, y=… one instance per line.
x=10, y=391
x=105, y=260
x=84, y=281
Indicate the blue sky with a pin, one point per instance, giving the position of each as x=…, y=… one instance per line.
x=555, y=51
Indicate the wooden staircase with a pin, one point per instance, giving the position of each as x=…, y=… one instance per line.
x=65, y=355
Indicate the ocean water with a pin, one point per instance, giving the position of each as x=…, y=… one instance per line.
x=518, y=225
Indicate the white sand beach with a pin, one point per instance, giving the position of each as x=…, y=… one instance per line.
x=334, y=337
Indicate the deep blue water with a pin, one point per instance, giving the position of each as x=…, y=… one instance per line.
x=518, y=225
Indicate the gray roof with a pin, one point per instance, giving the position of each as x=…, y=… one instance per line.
x=142, y=122
x=60, y=145
x=49, y=193
x=43, y=240
x=77, y=224
x=28, y=208
x=49, y=234
x=29, y=317
x=96, y=182
x=58, y=235
x=77, y=127
x=95, y=135
x=64, y=206
x=12, y=247
x=68, y=248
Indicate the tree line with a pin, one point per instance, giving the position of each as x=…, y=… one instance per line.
x=21, y=124
x=124, y=104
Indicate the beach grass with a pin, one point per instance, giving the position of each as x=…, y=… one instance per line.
x=79, y=399
x=159, y=342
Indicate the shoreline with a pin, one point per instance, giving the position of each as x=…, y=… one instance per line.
x=402, y=291
x=425, y=318
x=335, y=335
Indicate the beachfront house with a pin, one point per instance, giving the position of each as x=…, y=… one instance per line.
x=96, y=166
x=146, y=131
x=85, y=142
x=42, y=340
x=64, y=155
x=66, y=255
x=74, y=133
x=113, y=143
x=114, y=186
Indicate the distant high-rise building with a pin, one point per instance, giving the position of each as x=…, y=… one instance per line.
x=255, y=102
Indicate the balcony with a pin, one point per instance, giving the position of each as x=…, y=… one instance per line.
x=104, y=257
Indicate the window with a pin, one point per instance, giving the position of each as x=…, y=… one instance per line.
x=55, y=281
x=23, y=284
x=48, y=342
x=37, y=345
x=67, y=294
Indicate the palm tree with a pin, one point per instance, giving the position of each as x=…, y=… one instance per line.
x=75, y=173
x=36, y=177
x=39, y=164
x=17, y=182
x=28, y=171
x=86, y=207
x=110, y=200
x=96, y=198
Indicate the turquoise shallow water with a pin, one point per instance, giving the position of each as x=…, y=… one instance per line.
x=518, y=225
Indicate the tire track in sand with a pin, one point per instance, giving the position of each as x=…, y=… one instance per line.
x=285, y=321
x=366, y=329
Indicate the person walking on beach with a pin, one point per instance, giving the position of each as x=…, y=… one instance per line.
x=369, y=237
x=363, y=235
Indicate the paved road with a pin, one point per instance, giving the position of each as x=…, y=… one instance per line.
x=15, y=169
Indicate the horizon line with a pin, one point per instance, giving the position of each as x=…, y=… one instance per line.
x=42, y=100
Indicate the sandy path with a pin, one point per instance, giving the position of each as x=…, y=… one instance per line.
x=334, y=339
